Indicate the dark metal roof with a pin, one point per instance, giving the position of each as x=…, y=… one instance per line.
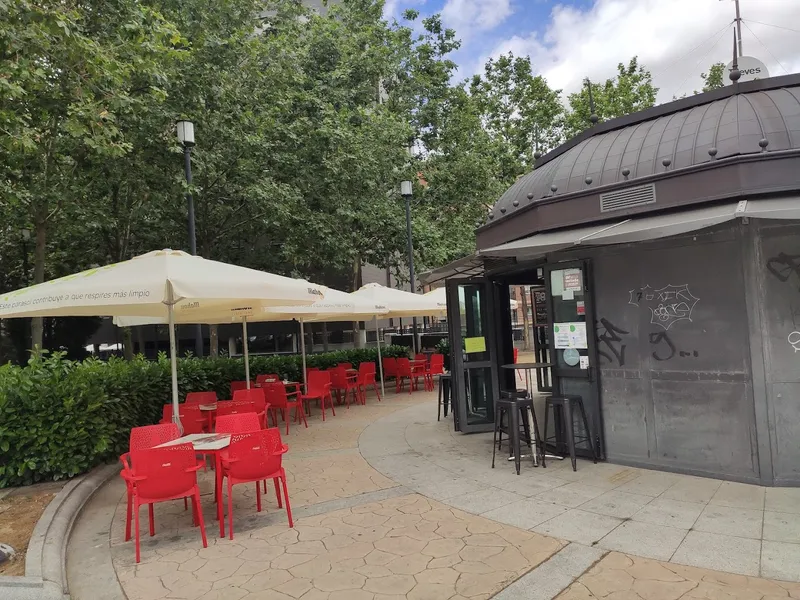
x=763, y=116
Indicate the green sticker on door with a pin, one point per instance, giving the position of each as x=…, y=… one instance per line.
x=474, y=345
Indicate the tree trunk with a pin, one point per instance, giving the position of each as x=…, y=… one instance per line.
x=213, y=341
x=140, y=339
x=127, y=343
x=526, y=321
x=37, y=323
x=325, y=337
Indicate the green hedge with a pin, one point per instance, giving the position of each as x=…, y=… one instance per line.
x=60, y=418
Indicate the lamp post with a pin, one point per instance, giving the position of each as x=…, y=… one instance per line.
x=186, y=138
x=406, y=192
x=26, y=237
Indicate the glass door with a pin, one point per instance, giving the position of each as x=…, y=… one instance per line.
x=572, y=345
x=472, y=353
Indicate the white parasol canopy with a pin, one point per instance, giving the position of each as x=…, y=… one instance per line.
x=440, y=296
x=166, y=284
x=331, y=307
x=401, y=304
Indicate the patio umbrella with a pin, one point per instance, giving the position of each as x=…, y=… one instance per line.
x=332, y=306
x=166, y=285
x=440, y=296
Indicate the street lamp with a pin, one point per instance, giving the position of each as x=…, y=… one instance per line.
x=406, y=191
x=186, y=138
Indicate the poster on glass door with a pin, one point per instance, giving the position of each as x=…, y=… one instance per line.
x=570, y=335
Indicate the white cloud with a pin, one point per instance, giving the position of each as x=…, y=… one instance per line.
x=664, y=34
x=467, y=16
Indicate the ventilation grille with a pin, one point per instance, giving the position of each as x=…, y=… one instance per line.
x=628, y=198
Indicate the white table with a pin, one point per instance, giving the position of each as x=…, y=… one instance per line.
x=203, y=442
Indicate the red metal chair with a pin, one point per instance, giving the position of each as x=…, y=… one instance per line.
x=435, y=367
x=233, y=407
x=161, y=474
x=405, y=371
x=192, y=418
x=237, y=385
x=253, y=457
x=267, y=378
x=319, y=388
x=341, y=381
x=421, y=356
x=516, y=360
x=279, y=400
x=238, y=423
x=256, y=397
x=345, y=365
x=389, y=368
x=142, y=438
x=366, y=378
x=201, y=398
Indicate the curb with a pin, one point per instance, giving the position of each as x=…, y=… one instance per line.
x=45, y=561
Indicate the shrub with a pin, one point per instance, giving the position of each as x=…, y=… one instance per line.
x=59, y=418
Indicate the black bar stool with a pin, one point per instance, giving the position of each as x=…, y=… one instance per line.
x=566, y=406
x=514, y=405
x=444, y=395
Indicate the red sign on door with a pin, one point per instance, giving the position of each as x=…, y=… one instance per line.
x=581, y=307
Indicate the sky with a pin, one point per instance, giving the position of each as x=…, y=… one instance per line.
x=569, y=40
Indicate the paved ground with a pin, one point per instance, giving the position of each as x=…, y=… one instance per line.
x=390, y=504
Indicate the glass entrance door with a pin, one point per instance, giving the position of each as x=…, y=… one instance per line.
x=472, y=353
x=572, y=343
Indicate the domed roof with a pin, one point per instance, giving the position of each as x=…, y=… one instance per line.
x=665, y=138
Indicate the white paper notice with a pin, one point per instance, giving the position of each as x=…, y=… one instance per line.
x=570, y=335
x=584, y=362
x=568, y=295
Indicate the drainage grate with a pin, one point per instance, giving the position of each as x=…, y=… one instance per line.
x=628, y=198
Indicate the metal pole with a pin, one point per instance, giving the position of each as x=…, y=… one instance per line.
x=739, y=26
x=380, y=360
x=411, y=274
x=246, y=352
x=187, y=166
x=303, y=350
x=173, y=360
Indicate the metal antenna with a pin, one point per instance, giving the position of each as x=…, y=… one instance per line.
x=739, y=26
x=593, y=115
x=735, y=73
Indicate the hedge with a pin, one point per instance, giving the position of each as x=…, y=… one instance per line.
x=60, y=418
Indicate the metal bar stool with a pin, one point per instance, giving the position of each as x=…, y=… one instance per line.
x=444, y=395
x=514, y=405
x=566, y=405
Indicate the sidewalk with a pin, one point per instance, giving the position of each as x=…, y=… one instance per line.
x=389, y=504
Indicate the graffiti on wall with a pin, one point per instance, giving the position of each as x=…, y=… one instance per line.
x=667, y=305
x=610, y=345
x=783, y=266
x=664, y=348
x=794, y=340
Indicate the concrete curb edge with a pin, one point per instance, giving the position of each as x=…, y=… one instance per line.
x=45, y=561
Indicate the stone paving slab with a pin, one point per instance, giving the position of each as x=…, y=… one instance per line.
x=621, y=577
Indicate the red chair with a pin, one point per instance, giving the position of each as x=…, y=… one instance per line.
x=279, y=400
x=405, y=371
x=234, y=407
x=253, y=457
x=192, y=418
x=237, y=385
x=256, y=397
x=366, y=378
x=389, y=368
x=142, y=438
x=319, y=388
x=161, y=474
x=516, y=360
x=420, y=356
x=434, y=368
x=238, y=423
x=341, y=381
x=201, y=398
x=268, y=378
x=345, y=365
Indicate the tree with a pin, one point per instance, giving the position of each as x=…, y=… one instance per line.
x=715, y=78
x=519, y=111
x=630, y=91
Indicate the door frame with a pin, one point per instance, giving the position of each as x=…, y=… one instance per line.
x=457, y=363
x=592, y=374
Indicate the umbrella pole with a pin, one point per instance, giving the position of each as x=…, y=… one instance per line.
x=246, y=352
x=303, y=350
x=173, y=359
x=380, y=361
